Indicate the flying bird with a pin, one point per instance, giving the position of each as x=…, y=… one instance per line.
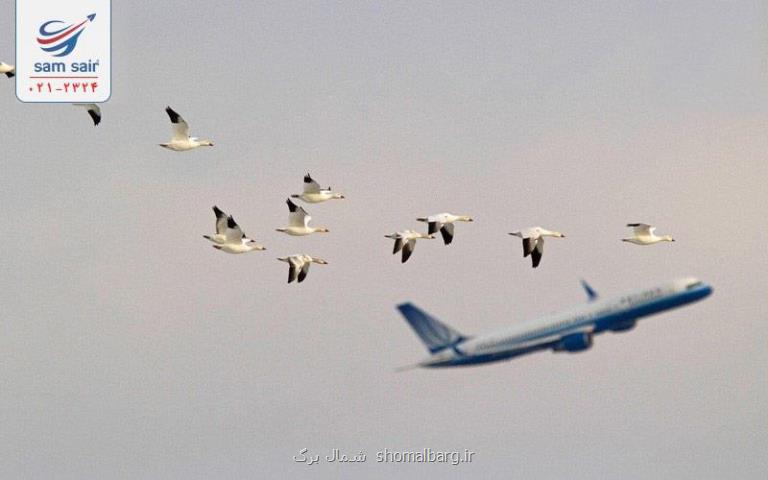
x=298, y=265
x=444, y=223
x=313, y=193
x=405, y=240
x=235, y=240
x=298, y=222
x=93, y=110
x=533, y=242
x=8, y=70
x=181, y=141
x=644, y=235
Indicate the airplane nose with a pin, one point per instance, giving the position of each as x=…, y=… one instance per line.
x=703, y=291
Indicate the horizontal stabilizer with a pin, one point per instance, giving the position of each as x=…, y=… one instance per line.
x=408, y=367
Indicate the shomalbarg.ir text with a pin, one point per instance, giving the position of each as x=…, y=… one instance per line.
x=426, y=455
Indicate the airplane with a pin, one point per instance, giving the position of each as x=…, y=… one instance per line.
x=570, y=331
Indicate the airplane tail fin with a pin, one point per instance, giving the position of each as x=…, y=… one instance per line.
x=435, y=334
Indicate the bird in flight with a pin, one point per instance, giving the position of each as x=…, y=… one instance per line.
x=313, y=193
x=644, y=235
x=181, y=141
x=235, y=240
x=298, y=265
x=444, y=223
x=533, y=242
x=298, y=222
x=405, y=240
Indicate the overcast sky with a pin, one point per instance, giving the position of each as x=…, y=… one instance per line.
x=129, y=348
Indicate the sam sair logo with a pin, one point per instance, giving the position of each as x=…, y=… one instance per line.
x=59, y=40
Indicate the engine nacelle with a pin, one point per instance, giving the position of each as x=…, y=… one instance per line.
x=575, y=342
x=623, y=326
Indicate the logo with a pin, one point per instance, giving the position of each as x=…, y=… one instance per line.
x=61, y=41
x=63, y=51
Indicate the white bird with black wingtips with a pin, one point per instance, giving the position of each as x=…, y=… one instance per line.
x=313, y=193
x=298, y=265
x=298, y=222
x=405, y=240
x=235, y=240
x=93, y=110
x=181, y=141
x=8, y=70
x=644, y=235
x=444, y=223
x=533, y=242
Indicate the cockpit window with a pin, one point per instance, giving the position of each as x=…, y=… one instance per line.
x=694, y=285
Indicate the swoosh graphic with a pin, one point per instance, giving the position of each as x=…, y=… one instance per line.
x=69, y=45
x=64, y=40
x=57, y=37
x=46, y=33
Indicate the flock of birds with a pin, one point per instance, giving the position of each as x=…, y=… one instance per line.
x=230, y=238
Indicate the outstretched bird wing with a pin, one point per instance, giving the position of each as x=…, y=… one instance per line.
x=95, y=112
x=408, y=249
x=180, y=126
x=447, y=232
x=294, y=265
x=642, y=229
x=292, y=272
x=398, y=245
x=537, y=252
x=528, y=245
x=234, y=233
x=304, y=271
x=298, y=217
x=221, y=220
x=310, y=186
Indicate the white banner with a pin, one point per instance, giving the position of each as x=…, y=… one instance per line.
x=63, y=50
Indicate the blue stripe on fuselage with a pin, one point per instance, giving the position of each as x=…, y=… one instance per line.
x=601, y=324
x=469, y=360
x=652, y=307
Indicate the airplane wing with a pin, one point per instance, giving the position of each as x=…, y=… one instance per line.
x=558, y=342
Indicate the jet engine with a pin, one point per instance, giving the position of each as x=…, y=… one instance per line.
x=575, y=342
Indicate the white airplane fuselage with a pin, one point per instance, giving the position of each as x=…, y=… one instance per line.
x=569, y=331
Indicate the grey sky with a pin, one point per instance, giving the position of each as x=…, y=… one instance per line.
x=137, y=351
